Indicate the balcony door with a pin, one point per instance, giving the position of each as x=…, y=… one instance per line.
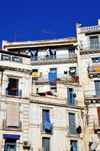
x=97, y=88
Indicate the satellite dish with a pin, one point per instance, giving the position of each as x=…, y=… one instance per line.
x=94, y=145
x=78, y=130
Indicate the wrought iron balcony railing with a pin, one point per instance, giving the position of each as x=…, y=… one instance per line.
x=5, y=127
x=92, y=93
x=10, y=91
x=60, y=76
x=89, y=46
x=43, y=78
x=53, y=57
x=71, y=102
x=45, y=130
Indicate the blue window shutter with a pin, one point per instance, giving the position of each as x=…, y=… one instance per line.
x=1, y=56
x=73, y=99
x=12, y=58
x=20, y=60
x=9, y=58
x=68, y=95
x=99, y=59
x=72, y=127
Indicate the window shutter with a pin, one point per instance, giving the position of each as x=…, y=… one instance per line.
x=9, y=58
x=68, y=95
x=12, y=58
x=1, y=56
x=20, y=60
x=12, y=114
x=73, y=99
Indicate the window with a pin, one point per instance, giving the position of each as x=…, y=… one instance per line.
x=72, y=72
x=94, y=42
x=97, y=88
x=10, y=147
x=71, y=53
x=16, y=59
x=73, y=145
x=5, y=57
x=53, y=70
x=12, y=116
x=72, y=126
x=96, y=60
x=46, y=143
x=46, y=123
x=12, y=88
x=34, y=55
x=53, y=89
x=71, y=99
x=35, y=78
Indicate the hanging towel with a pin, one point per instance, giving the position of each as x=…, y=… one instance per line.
x=33, y=52
x=53, y=51
x=47, y=123
x=36, y=74
x=52, y=76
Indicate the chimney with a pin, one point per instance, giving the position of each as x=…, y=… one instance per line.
x=99, y=22
x=77, y=25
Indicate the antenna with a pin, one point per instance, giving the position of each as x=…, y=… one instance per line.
x=45, y=31
x=15, y=35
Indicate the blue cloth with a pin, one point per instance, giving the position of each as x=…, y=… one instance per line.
x=47, y=124
x=33, y=52
x=10, y=136
x=52, y=76
x=53, y=51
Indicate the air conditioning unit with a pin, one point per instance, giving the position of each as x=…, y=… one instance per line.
x=26, y=144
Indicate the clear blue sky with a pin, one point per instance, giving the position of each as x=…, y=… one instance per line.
x=29, y=17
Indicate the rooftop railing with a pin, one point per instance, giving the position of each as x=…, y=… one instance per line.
x=10, y=91
x=4, y=125
x=53, y=57
x=92, y=93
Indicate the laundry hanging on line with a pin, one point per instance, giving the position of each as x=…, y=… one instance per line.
x=36, y=74
x=52, y=76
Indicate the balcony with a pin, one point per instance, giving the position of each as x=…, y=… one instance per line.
x=15, y=92
x=71, y=103
x=43, y=130
x=4, y=126
x=94, y=70
x=92, y=96
x=43, y=78
x=53, y=57
x=68, y=78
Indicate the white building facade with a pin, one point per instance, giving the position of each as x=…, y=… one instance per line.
x=42, y=101
x=89, y=73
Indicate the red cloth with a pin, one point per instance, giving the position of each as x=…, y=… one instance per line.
x=45, y=93
x=98, y=110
